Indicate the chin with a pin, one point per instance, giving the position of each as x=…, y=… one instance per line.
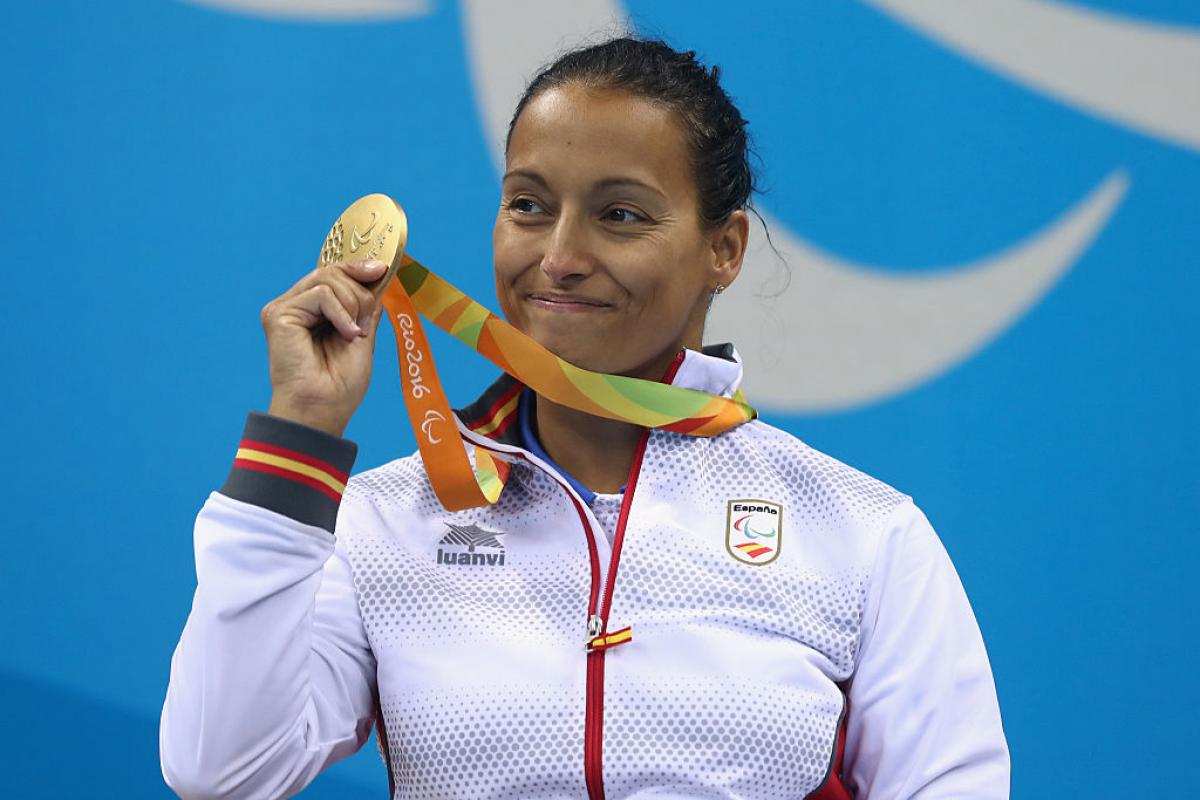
x=603, y=359
x=592, y=350
x=582, y=355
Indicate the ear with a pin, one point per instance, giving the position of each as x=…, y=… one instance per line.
x=729, y=242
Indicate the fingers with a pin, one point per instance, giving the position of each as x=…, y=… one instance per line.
x=364, y=271
x=335, y=293
x=355, y=297
x=347, y=281
x=323, y=301
x=357, y=272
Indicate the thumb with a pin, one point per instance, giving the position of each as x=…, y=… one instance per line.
x=372, y=327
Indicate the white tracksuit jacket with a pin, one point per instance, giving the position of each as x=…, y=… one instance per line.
x=797, y=628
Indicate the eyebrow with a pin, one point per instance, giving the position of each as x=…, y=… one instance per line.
x=606, y=183
x=527, y=174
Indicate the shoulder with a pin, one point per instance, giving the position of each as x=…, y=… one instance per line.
x=385, y=510
x=396, y=477
x=827, y=485
x=846, y=512
x=389, y=491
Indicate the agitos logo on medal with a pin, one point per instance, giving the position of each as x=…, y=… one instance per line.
x=754, y=531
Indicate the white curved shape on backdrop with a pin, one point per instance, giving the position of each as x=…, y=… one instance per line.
x=1138, y=74
x=843, y=334
x=324, y=10
x=506, y=42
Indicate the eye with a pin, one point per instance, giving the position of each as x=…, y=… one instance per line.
x=622, y=215
x=525, y=205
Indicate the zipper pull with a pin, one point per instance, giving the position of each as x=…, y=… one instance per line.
x=595, y=626
x=598, y=640
x=611, y=639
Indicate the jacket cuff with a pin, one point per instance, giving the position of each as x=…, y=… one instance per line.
x=292, y=469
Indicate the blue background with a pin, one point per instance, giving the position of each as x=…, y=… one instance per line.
x=172, y=168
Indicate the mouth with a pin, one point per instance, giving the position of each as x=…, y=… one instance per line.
x=566, y=303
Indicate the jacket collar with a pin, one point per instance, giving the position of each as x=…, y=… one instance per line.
x=716, y=369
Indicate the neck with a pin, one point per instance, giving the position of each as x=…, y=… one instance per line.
x=596, y=451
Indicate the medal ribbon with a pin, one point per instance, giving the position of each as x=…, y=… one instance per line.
x=457, y=484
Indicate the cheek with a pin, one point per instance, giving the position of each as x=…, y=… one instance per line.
x=507, y=266
x=510, y=250
x=664, y=284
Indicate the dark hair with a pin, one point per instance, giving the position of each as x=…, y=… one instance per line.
x=715, y=129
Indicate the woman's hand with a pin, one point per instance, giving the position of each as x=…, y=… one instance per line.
x=320, y=339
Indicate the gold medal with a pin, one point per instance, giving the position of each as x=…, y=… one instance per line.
x=373, y=228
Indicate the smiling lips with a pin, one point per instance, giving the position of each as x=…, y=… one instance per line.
x=554, y=301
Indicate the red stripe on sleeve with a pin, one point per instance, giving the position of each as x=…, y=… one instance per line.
x=296, y=456
x=280, y=472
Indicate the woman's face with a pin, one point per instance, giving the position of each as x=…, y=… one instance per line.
x=600, y=253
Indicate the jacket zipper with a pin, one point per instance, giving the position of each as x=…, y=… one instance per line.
x=599, y=599
x=599, y=604
x=593, y=720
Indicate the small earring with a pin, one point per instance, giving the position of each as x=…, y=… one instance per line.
x=720, y=288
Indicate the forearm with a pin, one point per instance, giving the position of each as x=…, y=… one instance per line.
x=924, y=721
x=259, y=702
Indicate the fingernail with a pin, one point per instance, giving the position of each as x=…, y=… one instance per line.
x=373, y=264
x=358, y=329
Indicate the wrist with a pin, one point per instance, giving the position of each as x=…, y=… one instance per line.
x=312, y=416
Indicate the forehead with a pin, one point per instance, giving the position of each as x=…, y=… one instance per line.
x=579, y=132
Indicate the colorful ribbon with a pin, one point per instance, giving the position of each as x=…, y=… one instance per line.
x=459, y=485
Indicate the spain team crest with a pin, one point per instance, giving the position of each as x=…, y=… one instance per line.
x=754, y=531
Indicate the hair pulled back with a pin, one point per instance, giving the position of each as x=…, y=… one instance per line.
x=651, y=69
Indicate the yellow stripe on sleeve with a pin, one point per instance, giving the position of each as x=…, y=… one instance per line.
x=324, y=477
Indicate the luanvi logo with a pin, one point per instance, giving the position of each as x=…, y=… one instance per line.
x=471, y=537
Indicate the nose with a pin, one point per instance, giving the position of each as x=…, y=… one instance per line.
x=568, y=259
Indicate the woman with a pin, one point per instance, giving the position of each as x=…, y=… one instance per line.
x=797, y=628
